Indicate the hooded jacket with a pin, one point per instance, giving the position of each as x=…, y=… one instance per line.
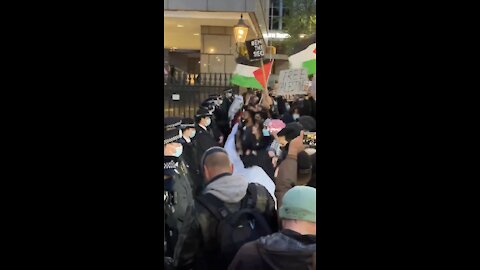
x=199, y=243
x=283, y=250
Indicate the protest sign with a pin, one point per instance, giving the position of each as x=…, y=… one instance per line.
x=292, y=82
x=255, y=49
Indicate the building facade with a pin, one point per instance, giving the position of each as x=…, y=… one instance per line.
x=198, y=34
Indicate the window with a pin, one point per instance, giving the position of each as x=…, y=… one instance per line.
x=275, y=3
x=276, y=22
x=275, y=12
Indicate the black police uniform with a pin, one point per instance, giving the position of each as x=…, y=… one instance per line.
x=178, y=197
x=189, y=156
x=214, y=129
x=204, y=139
x=221, y=115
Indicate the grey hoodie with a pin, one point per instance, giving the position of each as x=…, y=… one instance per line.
x=228, y=188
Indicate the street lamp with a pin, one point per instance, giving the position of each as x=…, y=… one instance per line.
x=240, y=30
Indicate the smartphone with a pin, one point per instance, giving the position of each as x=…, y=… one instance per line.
x=310, y=139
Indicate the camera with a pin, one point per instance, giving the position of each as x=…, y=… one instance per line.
x=310, y=139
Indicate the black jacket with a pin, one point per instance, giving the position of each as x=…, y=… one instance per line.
x=203, y=140
x=180, y=206
x=221, y=118
x=287, y=118
x=192, y=163
x=183, y=194
x=200, y=247
x=284, y=250
x=214, y=130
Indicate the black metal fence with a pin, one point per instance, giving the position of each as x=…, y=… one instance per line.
x=201, y=79
x=185, y=100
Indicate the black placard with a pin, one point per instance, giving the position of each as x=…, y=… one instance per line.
x=255, y=49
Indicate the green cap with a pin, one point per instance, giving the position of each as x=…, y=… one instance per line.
x=300, y=203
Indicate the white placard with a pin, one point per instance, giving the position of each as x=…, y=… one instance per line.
x=292, y=82
x=175, y=97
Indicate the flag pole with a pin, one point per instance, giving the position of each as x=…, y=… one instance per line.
x=264, y=79
x=264, y=76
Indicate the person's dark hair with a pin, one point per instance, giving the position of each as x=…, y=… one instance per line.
x=250, y=113
x=263, y=114
x=259, y=123
x=198, y=118
x=304, y=168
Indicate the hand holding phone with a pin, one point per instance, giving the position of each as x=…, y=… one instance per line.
x=310, y=139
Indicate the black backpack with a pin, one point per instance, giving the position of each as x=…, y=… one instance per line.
x=237, y=228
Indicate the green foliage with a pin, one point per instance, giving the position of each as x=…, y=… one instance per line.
x=301, y=19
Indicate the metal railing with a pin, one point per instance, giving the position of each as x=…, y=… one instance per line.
x=202, y=79
x=184, y=100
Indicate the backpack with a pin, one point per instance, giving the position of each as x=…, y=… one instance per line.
x=237, y=228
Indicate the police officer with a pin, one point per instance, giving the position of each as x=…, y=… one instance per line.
x=189, y=154
x=228, y=99
x=204, y=138
x=211, y=104
x=221, y=115
x=178, y=198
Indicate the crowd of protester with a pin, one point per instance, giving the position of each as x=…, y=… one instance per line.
x=240, y=184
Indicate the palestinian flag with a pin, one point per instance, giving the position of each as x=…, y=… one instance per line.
x=305, y=59
x=251, y=77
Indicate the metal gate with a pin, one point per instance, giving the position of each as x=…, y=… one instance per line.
x=183, y=93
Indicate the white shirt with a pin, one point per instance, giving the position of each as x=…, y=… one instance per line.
x=202, y=127
x=187, y=139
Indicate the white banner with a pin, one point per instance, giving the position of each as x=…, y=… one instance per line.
x=292, y=82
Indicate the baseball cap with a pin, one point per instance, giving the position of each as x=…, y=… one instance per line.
x=300, y=203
